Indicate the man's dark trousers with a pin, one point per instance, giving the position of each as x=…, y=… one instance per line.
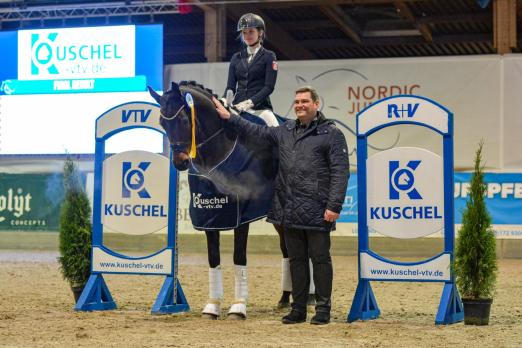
x=303, y=244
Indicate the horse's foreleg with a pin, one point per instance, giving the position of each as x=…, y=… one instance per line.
x=212, y=309
x=286, y=279
x=238, y=308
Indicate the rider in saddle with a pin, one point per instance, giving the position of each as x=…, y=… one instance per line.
x=252, y=72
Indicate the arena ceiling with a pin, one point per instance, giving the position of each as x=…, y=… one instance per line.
x=321, y=29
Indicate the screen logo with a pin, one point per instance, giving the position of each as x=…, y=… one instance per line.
x=42, y=53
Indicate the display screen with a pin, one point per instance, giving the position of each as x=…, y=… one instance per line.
x=56, y=82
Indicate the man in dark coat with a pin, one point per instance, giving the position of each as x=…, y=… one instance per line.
x=309, y=191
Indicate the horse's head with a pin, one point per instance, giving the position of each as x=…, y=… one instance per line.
x=175, y=119
x=193, y=126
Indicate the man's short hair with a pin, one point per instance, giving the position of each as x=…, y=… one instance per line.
x=313, y=92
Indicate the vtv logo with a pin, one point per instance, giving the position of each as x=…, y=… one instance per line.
x=403, y=179
x=133, y=179
x=402, y=111
x=42, y=53
x=137, y=115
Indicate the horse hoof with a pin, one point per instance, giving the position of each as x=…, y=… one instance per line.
x=209, y=316
x=236, y=316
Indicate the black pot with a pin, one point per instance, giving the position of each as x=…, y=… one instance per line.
x=476, y=311
x=77, y=291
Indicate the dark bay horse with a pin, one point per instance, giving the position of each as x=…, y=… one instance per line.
x=230, y=180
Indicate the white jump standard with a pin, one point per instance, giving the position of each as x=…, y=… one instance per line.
x=134, y=193
x=405, y=192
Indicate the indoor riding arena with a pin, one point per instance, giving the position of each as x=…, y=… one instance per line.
x=133, y=214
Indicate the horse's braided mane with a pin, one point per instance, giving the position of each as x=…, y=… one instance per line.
x=198, y=87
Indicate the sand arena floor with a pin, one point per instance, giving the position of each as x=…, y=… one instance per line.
x=36, y=310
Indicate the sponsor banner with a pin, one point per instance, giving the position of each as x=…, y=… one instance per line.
x=71, y=53
x=135, y=198
x=81, y=60
x=160, y=263
x=503, y=197
x=436, y=269
x=30, y=202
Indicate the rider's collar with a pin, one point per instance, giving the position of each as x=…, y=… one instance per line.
x=253, y=50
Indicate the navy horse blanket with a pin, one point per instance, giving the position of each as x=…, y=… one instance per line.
x=238, y=190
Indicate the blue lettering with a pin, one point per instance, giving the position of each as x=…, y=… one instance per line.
x=437, y=216
x=373, y=213
x=135, y=210
x=428, y=212
x=108, y=208
x=145, y=210
x=162, y=212
x=407, y=216
x=80, y=51
x=118, y=212
x=127, y=210
x=417, y=212
x=155, y=209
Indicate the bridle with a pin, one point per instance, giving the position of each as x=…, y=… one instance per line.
x=178, y=147
x=175, y=115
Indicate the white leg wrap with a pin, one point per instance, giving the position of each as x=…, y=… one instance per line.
x=215, y=291
x=241, y=291
x=286, y=279
x=312, y=284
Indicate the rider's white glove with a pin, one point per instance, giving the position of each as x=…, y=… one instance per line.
x=244, y=105
x=224, y=102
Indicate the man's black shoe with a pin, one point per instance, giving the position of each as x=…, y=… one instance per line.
x=294, y=317
x=320, y=318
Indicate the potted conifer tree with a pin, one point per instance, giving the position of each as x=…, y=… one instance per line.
x=75, y=230
x=475, y=254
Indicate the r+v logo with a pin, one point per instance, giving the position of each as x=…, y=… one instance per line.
x=402, y=110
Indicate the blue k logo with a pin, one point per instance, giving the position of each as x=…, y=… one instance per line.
x=403, y=179
x=133, y=179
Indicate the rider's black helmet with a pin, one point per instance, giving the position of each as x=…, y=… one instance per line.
x=250, y=20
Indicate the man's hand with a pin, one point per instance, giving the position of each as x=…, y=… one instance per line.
x=330, y=216
x=223, y=113
x=244, y=105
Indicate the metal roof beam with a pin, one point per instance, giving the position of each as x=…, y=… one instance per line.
x=395, y=41
x=343, y=21
x=109, y=9
x=405, y=12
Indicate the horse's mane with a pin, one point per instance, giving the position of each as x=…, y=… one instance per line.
x=194, y=86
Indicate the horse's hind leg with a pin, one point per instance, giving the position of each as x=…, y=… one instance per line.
x=212, y=309
x=286, y=279
x=238, y=308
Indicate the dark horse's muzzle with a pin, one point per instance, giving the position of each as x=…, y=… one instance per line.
x=180, y=156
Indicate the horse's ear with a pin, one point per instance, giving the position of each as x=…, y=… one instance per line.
x=154, y=94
